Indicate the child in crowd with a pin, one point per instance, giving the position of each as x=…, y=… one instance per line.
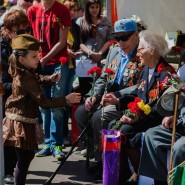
x=19, y=125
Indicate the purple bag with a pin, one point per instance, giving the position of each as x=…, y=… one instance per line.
x=111, y=142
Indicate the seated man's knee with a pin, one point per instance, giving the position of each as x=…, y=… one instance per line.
x=150, y=134
x=179, y=149
x=96, y=119
x=79, y=112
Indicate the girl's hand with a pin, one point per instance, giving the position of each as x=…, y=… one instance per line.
x=55, y=77
x=71, y=53
x=128, y=120
x=109, y=99
x=89, y=103
x=73, y=98
x=167, y=122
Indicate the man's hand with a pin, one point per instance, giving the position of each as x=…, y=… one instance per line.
x=73, y=98
x=128, y=120
x=89, y=103
x=167, y=122
x=96, y=57
x=109, y=99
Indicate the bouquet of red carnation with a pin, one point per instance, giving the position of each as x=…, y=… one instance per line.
x=137, y=108
x=95, y=72
x=171, y=79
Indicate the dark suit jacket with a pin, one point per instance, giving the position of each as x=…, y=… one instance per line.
x=130, y=76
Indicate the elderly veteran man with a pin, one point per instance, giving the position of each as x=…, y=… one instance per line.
x=157, y=141
x=126, y=66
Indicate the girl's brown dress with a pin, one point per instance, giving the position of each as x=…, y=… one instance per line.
x=19, y=125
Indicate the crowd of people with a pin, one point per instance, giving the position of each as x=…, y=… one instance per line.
x=40, y=47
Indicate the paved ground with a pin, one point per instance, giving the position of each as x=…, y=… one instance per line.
x=73, y=172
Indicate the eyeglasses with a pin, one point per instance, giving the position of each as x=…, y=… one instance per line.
x=124, y=38
x=22, y=31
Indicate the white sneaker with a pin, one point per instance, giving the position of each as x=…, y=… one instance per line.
x=9, y=179
x=84, y=152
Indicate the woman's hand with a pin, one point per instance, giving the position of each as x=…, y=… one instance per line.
x=71, y=53
x=89, y=103
x=73, y=98
x=167, y=122
x=55, y=77
x=109, y=99
x=128, y=120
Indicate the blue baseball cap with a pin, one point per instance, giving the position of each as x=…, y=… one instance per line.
x=124, y=25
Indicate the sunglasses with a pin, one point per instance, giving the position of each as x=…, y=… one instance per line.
x=22, y=31
x=124, y=38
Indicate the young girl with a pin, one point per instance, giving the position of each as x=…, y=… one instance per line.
x=22, y=106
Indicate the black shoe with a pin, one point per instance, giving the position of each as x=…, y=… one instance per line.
x=156, y=182
x=98, y=175
x=95, y=168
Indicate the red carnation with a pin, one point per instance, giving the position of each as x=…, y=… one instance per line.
x=63, y=60
x=160, y=68
x=109, y=71
x=133, y=107
x=94, y=70
x=136, y=100
x=112, y=42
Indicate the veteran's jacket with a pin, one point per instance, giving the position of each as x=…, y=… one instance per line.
x=149, y=92
x=130, y=76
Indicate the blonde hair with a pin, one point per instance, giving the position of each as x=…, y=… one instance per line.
x=151, y=40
